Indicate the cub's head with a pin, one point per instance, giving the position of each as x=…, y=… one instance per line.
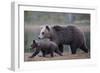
x=34, y=44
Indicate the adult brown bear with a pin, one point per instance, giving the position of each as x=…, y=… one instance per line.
x=70, y=35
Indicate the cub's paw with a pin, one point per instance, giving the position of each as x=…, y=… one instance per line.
x=30, y=57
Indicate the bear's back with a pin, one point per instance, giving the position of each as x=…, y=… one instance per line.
x=68, y=34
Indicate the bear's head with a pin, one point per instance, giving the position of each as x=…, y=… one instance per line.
x=45, y=32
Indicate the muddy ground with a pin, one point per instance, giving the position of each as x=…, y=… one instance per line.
x=66, y=56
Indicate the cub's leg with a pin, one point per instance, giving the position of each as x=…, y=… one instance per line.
x=73, y=49
x=35, y=53
x=51, y=52
x=58, y=52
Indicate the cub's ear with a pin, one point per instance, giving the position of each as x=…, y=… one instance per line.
x=34, y=41
x=48, y=28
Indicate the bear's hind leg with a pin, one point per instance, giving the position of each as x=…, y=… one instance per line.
x=52, y=54
x=84, y=48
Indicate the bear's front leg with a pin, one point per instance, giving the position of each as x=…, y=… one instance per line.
x=73, y=49
x=61, y=48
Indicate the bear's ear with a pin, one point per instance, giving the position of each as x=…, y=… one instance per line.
x=57, y=28
x=48, y=28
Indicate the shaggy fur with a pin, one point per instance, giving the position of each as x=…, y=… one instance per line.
x=47, y=47
x=70, y=35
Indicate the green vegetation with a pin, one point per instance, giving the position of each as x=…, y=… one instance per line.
x=31, y=17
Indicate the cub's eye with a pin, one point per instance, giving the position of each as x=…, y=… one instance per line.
x=42, y=32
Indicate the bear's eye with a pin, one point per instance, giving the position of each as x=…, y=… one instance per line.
x=42, y=33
